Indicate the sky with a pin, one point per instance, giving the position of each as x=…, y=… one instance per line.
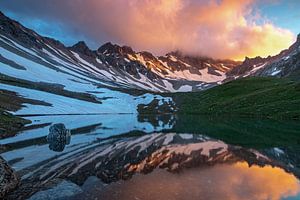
x=227, y=29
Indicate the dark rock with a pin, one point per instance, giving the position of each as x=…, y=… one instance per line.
x=247, y=65
x=147, y=56
x=55, y=42
x=58, y=137
x=82, y=48
x=9, y=180
x=14, y=29
x=114, y=48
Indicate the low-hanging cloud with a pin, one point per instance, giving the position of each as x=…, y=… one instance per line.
x=215, y=28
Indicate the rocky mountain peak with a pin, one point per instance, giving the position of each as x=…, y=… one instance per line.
x=247, y=65
x=297, y=43
x=107, y=46
x=114, y=48
x=293, y=48
x=81, y=47
x=253, y=61
x=81, y=44
x=127, y=50
x=176, y=53
x=147, y=55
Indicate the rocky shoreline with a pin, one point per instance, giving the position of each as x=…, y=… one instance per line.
x=9, y=180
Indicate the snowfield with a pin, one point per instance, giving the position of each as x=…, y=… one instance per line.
x=119, y=103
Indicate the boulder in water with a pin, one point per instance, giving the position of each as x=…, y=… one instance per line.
x=58, y=137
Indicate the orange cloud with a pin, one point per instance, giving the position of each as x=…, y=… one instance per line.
x=221, y=29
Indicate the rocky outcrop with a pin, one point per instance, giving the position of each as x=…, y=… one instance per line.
x=82, y=48
x=247, y=65
x=109, y=48
x=9, y=180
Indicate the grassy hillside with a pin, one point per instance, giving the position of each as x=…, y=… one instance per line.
x=255, y=96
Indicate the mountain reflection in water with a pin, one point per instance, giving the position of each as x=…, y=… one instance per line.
x=235, y=181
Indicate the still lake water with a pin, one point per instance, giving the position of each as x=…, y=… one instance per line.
x=156, y=157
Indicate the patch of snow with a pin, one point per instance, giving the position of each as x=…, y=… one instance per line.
x=185, y=88
x=275, y=72
x=99, y=61
x=278, y=151
x=186, y=136
x=173, y=58
x=206, y=147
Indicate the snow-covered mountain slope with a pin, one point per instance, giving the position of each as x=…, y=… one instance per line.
x=43, y=69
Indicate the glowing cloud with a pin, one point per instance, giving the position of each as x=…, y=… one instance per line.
x=215, y=28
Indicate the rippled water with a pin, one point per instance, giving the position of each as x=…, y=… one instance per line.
x=156, y=157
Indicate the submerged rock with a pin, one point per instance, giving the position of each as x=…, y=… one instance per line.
x=58, y=137
x=62, y=191
x=8, y=178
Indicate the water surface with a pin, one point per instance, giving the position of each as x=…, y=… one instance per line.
x=166, y=157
